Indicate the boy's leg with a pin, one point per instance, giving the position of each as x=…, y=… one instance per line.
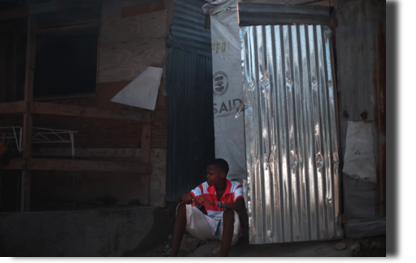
x=227, y=232
x=179, y=229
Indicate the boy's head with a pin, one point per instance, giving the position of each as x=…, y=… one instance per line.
x=217, y=171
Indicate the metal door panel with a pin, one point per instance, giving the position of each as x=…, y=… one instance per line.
x=291, y=135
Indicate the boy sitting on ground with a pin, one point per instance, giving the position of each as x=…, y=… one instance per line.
x=222, y=200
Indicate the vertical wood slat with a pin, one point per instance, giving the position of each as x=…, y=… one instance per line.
x=27, y=117
x=1, y=201
x=3, y=67
x=145, y=158
x=13, y=71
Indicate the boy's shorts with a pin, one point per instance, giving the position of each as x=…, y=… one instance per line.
x=204, y=227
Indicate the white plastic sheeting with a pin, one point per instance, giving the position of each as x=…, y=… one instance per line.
x=227, y=86
x=359, y=156
x=142, y=91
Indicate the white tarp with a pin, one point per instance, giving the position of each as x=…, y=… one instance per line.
x=227, y=86
x=359, y=161
x=142, y=91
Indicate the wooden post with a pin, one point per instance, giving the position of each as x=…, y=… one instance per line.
x=3, y=73
x=1, y=201
x=145, y=158
x=13, y=73
x=27, y=116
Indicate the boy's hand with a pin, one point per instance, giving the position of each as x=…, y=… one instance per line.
x=187, y=198
x=200, y=200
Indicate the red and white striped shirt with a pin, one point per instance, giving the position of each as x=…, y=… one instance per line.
x=233, y=191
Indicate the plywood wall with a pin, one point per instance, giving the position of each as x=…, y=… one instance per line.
x=130, y=44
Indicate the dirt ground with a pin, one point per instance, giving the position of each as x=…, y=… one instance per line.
x=191, y=247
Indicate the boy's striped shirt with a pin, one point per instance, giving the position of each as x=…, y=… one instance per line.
x=233, y=191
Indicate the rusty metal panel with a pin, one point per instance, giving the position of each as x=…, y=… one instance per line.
x=356, y=37
x=361, y=75
x=291, y=135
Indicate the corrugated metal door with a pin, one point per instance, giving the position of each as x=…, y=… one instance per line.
x=190, y=121
x=189, y=86
x=291, y=134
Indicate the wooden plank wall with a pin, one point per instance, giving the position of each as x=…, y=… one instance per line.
x=100, y=187
x=104, y=133
x=132, y=37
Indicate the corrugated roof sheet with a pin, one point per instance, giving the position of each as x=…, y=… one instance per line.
x=188, y=25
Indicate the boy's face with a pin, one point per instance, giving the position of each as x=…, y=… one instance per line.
x=214, y=175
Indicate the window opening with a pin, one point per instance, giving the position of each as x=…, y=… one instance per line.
x=65, y=64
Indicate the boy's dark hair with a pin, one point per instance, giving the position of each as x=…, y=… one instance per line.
x=220, y=163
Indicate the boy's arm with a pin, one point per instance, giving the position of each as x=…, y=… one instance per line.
x=186, y=198
x=237, y=206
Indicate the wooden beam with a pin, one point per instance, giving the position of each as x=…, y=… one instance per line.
x=14, y=13
x=46, y=7
x=13, y=107
x=85, y=165
x=3, y=70
x=145, y=149
x=73, y=110
x=67, y=30
x=93, y=112
x=145, y=158
x=15, y=164
x=42, y=164
x=250, y=14
x=143, y=8
x=27, y=116
x=322, y=3
x=84, y=153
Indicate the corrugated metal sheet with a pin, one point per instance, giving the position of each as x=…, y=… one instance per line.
x=356, y=34
x=189, y=86
x=188, y=26
x=291, y=134
x=190, y=120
